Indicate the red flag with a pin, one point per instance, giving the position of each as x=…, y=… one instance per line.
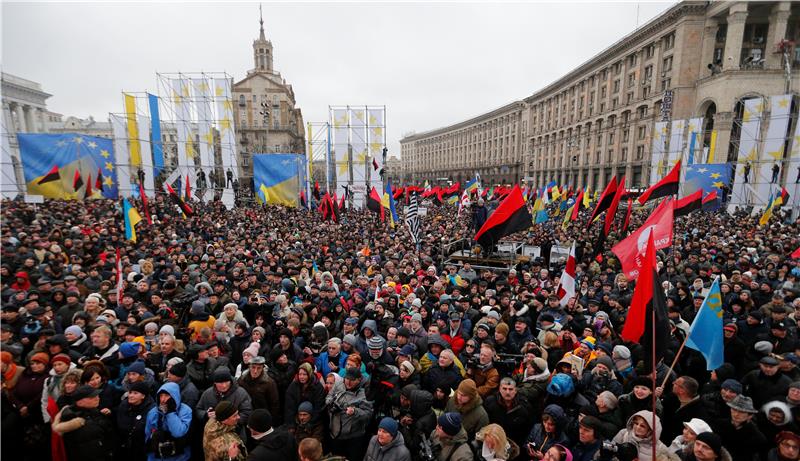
x=648, y=301
x=88, y=191
x=612, y=210
x=511, y=216
x=342, y=203
x=145, y=208
x=316, y=191
x=119, y=279
x=374, y=203
x=77, y=181
x=397, y=193
x=324, y=208
x=605, y=200
x=566, y=288
x=628, y=215
x=711, y=201
x=688, y=204
x=784, y=196
x=631, y=250
x=188, y=189
x=303, y=199
x=185, y=208
x=333, y=207
x=52, y=175
x=577, y=206
x=796, y=253
x=667, y=186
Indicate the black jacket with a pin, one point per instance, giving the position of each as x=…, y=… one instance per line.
x=130, y=427
x=278, y=445
x=95, y=440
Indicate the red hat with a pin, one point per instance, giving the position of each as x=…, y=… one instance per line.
x=40, y=357
x=61, y=358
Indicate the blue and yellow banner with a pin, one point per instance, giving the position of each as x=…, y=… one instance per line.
x=277, y=178
x=132, y=218
x=51, y=163
x=705, y=334
x=707, y=176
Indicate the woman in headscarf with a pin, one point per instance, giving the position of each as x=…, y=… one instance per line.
x=639, y=432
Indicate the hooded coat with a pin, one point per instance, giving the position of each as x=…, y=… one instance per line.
x=645, y=445
x=313, y=392
x=176, y=422
x=342, y=425
x=473, y=415
x=544, y=440
x=454, y=448
x=263, y=391
x=235, y=395
x=421, y=412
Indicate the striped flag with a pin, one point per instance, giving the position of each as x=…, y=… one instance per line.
x=412, y=219
x=119, y=278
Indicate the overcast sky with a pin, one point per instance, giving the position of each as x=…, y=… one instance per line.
x=430, y=64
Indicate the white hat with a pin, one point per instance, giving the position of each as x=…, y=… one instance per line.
x=697, y=425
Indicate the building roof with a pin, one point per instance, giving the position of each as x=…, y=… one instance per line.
x=425, y=134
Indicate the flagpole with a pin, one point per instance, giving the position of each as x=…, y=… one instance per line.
x=653, y=358
x=674, y=361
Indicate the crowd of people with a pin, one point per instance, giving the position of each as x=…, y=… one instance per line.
x=266, y=333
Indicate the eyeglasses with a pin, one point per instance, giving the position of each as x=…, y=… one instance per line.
x=790, y=445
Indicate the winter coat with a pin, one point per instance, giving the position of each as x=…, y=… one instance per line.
x=130, y=427
x=278, y=445
x=454, y=448
x=235, y=395
x=424, y=420
x=176, y=422
x=87, y=433
x=322, y=366
x=262, y=390
x=515, y=421
x=487, y=379
x=393, y=451
x=438, y=376
x=473, y=415
x=744, y=443
x=28, y=393
x=296, y=394
x=189, y=393
x=629, y=405
x=544, y=440
x=762, y=388
x=645, y=445
x=217, y=438
x=342, y=425
x=681, y=414
x=201, y=373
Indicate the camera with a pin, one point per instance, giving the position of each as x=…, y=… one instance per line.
x=622, y=451
x=167, y=449
x=473, y=361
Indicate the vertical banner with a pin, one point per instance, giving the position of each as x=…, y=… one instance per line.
x=694, y=144
x=205, y=131
x=341, y=143
x=676, y=138
x=793, y=175
x=712, y=148
x=358, y=141
x=227, y=139
x=133, y=132
x=658, y=161
x=771, y=163
x=155, y=135
x=147, y=159
x=119, y=130
x=180, y=94
x=376, y=132
x=743, y=191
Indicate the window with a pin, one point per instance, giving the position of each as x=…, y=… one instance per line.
x=650, y=51
x=614, y=103
x=254, y=100
x=667, y=64
x=722, y=33
x=669, y=41
x=631, y=79
x=641, y=132
x=617, y=68
x=241, y=100
x=603, y=92
x=611, y=138
x=616, y=86
x=632, y=60
x=624, y=154
x=665, y=84
x=625, y=134
x=646, y=92
x=629, y=97
x=648, y=72
x=597, y=157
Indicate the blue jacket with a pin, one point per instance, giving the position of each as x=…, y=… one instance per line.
x=321, y=364
x=176, y=422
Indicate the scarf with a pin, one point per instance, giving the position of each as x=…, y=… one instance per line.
x=10, y=372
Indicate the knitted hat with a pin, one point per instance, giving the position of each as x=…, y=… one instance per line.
x=61, y=358
x=350, y=339
x=221, y=375
x=40, y=357
x=589, y=341
x=73, y=330
x=643, y=381
x=450, y=423
x=128, y=350
x=140, y=387
x=224, y=410
x=305, y=366
x=167, y=329
x=732, y=385
x=389, y=425
x=136, y=367
x=468, y=388
x=375, y=343
x=352, y=373
x=306, y=407
x=605, y=360
x=621, y=352
x=406, y=365
x=501, y=328
x=416, y=316
x=198, y=307
x=178, y=370
x=712, y=440
x=260, y=420
x=252, y=349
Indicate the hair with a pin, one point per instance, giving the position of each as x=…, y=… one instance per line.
x=489, y=345
x=690, y=384
x=496, y=432
x=550, y=339
x=310, y=449
x=562, y=451
x=355, y=357
x=508, y=381
x=90, y=368
x=446, y=353
x=104, y=330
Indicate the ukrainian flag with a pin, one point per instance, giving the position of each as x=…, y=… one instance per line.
x=471, y=185
x=388, y=202
x=132, y=218
x=277, y=178
x=767, y=211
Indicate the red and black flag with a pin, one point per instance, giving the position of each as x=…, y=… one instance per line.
x=316, y=193
x=511, y=216
x=343, y=202
x=627, y=221
x=52, y=175
x=397, y=193
x=647, y=322
x=667, y=186
x=374, y=203
x=334, y=207
x=711, y=201
x=88, y=192
x=98, y=183
x=686, y=205
x=77, y=181
x=612, y=210
x=303, y=202
x=784, y=197
x=146, y=208
x=188, y=189
x=185, y=208
x=605, y=200
x=324, y=207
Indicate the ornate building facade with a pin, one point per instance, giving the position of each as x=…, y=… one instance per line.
x=267, y=119
x=597, y=120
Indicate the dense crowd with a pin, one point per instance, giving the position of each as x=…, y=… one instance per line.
x=264, y=333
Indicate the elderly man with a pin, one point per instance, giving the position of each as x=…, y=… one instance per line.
x=332, y=360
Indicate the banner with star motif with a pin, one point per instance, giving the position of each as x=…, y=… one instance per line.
x=147, y=171
x=227, y=138
x=123, y=169
x=376, y=137
x=206, y=147
x=181, y=100
x=706, y=176
x=50, y=163
x=676, y=143
x=747, y=164
x=358, y=141
x=341, y=143
x=658, y=167
x=773, y=152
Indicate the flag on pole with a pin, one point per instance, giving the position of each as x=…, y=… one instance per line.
x=119, y=277
x=705, y=334
x=631, y=250
x=88, y=192
x=605, y=200
x=77, y=181
x=388, y=202
x=185, y=208
x=688, y=204
x=612, y=210
x=132, y=218
x=782, y=198
x=511, y=216
x=767, y=211
x=667, y=186
x=566, y=289
x=627, y=221
x=412, y=219
x=648, y=301
x=374, y=203
x=52, y=175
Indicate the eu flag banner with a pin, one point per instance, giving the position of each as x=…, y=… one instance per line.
x=706, y=176
x=705, y=334
x=50, y=163
x=277, y=178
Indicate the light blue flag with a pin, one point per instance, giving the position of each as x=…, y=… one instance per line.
x=155, y=133
x=542, y=216
x=705, y=335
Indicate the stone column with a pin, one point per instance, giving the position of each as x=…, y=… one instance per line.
x=722, y=123
x=737, y=15
x=709, y=41
x=29, y=120
x=20, y=117
x=777, y=32
x=42, y=119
